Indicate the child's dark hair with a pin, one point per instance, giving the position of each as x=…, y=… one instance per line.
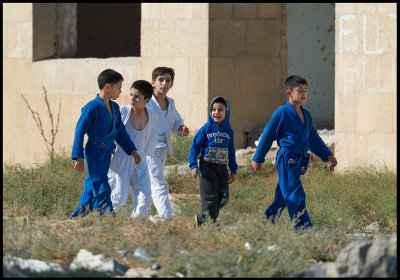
x=294, y=81
x=144, y=87
x=219, y=100
x=161, y=71
x=108, y=76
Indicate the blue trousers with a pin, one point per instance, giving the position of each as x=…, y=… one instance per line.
x=96, y=192
x=289, y=191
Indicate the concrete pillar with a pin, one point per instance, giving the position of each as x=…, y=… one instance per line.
x=365, y=85
x=248, y=61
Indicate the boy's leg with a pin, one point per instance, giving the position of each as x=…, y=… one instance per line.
x=275, y=210
x=292, y=190
x=159, y=186
x=97, y=170
x=223, y=177
x=209, y=192
x=86, y=200
x=141, y=191
x=118, y=179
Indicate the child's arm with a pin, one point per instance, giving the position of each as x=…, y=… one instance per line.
x=82, y=127
x=232, y=155
x=152, y=137
x=178, y=125
x=255, y=165
x=183, y=130
x=84, y=122
x=333, y=161
x=124, y=140
x=317, y=145
x=270, y=133
x=136, y=156
x=232, y=178
x=79, y=164
x=195, y=172
x=195, y=149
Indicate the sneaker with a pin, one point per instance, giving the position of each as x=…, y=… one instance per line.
x=197, y=222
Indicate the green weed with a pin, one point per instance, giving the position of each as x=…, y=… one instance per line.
x=337, y=204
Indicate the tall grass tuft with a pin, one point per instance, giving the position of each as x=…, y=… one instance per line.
x=337, y=203
x=181, y=147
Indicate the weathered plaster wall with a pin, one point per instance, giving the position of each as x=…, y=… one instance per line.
x=248, y=61
x=311, y=54
x=366, y=85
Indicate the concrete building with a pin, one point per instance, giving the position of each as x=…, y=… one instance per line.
x=244, y=51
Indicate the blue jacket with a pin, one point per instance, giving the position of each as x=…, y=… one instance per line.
x=286, y=127
x=101, y=128
x=214, y=142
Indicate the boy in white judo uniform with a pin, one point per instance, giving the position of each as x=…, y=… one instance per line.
x=142, y=126
x=101, y=121
x=169, y=120
x=291, y=125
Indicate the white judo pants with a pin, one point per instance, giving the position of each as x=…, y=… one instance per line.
x=159, y=186
x=124, y=174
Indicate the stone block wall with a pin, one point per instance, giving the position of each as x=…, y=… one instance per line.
x=176, y=35
x=17, y=72
x=248, y=61
x=366, y=85
x=233, y=49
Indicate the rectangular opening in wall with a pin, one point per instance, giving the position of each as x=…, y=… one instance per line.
x=79, y=30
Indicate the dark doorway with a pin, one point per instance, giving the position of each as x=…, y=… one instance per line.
x=108, y=30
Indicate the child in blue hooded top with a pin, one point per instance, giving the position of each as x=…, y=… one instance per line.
x=291, y=125
x=215, y=143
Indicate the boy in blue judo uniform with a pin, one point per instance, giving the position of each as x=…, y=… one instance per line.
x=291, y=125
x=214, y=142
x=101, y=120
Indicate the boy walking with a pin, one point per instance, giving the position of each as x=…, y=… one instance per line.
x=142, y=126
x=101, y=121
x=291, y=125
x=215, y=143
x=169, y=120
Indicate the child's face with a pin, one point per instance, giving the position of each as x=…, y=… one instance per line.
x=113, y=91
x=163, y=83
x=137, y=100
x=298, y=95
x=218, y=112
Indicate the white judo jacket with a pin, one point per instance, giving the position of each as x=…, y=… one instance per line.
x=171, y=123
x=151, y=129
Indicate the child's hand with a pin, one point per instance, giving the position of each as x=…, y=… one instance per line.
x=333, y=161
x=183, y=130
x=136, y=156
x=232, y=178
x=79, y=164
x=256, y=166
x=195, y=172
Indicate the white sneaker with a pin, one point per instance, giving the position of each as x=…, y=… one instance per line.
x=197, y=222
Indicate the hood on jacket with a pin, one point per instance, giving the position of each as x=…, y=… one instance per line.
x=225, y=122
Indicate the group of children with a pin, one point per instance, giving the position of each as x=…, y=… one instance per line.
x=127, y=148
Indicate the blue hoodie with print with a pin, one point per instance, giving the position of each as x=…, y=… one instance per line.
x=214, y=142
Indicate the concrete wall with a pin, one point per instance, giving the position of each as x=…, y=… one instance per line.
x=248, y=61
x=311, y=54
x=366, y=85
x=176, y=35
x=232, y=49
